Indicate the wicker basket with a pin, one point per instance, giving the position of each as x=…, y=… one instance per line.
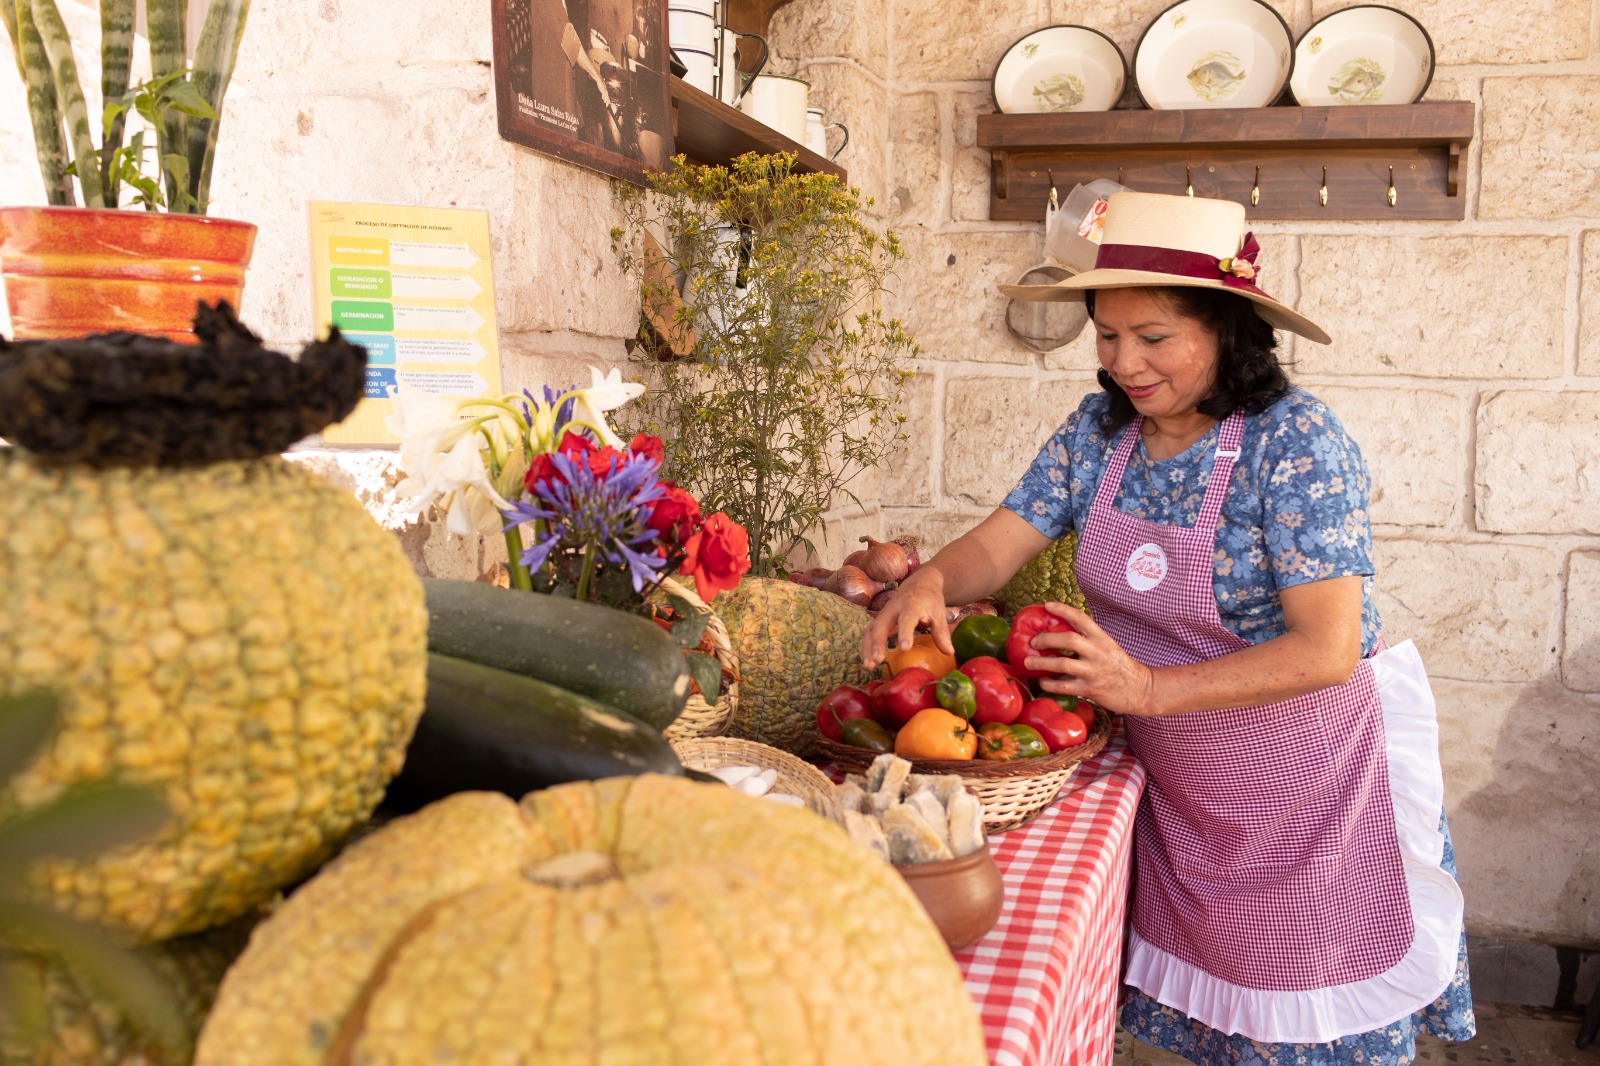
x=1012, y=793
x=795, y=776
x=701, y=718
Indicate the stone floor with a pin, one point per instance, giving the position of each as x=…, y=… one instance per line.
x=1507, y=1036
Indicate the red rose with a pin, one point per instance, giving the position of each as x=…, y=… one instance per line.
x=674, y=517
x=575, y=446
x=648, y=446
x=717, y=555
x=580, y=449
x=542, y=469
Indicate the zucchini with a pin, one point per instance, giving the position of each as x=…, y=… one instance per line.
x=484, y=729
x=612, y=656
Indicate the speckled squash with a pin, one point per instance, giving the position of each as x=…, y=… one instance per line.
x=647, y=920
x=1049, y=577
x=241, y=636
x=794, y=645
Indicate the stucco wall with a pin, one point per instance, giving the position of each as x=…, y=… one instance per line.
x=1464, y=359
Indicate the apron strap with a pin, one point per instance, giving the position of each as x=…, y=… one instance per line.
x=1228, y=439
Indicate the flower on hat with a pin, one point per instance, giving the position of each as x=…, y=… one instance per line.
x=1239, y=267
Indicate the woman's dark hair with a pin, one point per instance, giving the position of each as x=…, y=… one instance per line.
x=1249, y=376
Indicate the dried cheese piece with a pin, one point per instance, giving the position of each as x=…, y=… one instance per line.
x=879, y=803
x=948, y=786
x=911, y=838
x=850, y=797
x=927, y=804
x=966, y=823
x=866, y=830
x=892, y=777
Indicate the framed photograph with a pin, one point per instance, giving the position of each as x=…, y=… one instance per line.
x=585, y=81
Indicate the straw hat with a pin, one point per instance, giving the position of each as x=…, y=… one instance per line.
x=1152, y=239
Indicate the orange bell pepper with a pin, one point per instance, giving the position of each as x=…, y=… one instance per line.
x=935, y=733
x=936, y=662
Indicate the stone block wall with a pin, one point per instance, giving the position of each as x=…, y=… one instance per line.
x=1466, y=362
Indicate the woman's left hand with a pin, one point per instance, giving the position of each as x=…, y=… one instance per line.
x=1101, y=673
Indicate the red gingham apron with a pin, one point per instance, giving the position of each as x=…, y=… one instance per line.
x=1265, y=847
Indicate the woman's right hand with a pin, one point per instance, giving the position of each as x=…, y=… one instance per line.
x=918, y=600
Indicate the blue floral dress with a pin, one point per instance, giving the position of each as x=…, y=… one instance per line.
x=1296, y=512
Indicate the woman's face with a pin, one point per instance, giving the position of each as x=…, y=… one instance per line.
x=1166, y=362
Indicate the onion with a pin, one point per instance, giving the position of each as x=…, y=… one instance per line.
x=910, y=543
x=852, y=583
x=856, y=558
x=885, y=561
x=880, y=599
x=817, y=576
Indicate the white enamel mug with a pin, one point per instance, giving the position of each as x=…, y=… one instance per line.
x=817, y=127
x=778, y=101
x=692, y=30
x=702, y=69
x=734, y=80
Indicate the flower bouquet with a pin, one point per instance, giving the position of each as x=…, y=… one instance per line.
x=583, y=514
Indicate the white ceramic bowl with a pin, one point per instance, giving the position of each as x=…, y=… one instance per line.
x=1060, y=68
x=1213, y=53
x=1362, y=55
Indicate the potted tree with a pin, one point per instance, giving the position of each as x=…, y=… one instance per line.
x=796, y=379
x=140, y=251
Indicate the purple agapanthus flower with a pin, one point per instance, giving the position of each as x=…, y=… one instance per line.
x=563, y=415
x=603, y=515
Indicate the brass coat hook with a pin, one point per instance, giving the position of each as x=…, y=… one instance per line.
x=1322, y=193
x=1394, y=197
x=1051, y=177
x=1188, y=185
x=1255, y=190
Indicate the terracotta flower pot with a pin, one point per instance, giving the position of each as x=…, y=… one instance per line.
x=72, y=271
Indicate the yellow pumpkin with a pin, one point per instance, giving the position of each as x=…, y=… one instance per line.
x=645, y=920
x=240, y=636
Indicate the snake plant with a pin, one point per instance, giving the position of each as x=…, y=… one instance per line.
x=182, y=101
x=81, y=823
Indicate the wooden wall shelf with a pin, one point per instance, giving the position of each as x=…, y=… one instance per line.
x=709, y=131
x=1222, y=153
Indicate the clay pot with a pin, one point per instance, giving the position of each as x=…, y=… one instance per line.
x=72, y=271
x=963, y=896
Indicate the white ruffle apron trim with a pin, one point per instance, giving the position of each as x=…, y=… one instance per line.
x=1317, y=1016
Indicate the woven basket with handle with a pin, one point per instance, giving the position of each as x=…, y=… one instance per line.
x=795, y=776
x=702, y=717
x=1012, y=793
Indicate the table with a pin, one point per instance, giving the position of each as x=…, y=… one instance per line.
x=1045, y=978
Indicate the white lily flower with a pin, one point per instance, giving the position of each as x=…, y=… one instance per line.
x=462, y=477
x=607, y=392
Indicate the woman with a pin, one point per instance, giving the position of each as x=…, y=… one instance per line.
x=1294, y=895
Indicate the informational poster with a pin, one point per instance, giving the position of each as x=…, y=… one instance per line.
x=414, y=286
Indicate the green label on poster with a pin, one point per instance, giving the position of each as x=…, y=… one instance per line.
x=368, y=284
x=369, y=315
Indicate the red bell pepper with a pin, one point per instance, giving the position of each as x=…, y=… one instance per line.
x=906, y=693
x=845, y=703
x=977, y=664
x=999, y=697
x=1029, y=623
x=1060, y=729
x=1073, y=705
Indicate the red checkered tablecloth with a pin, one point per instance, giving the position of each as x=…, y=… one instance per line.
x=1045, y=977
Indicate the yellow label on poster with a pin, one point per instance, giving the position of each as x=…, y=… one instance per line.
x=414, y=286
